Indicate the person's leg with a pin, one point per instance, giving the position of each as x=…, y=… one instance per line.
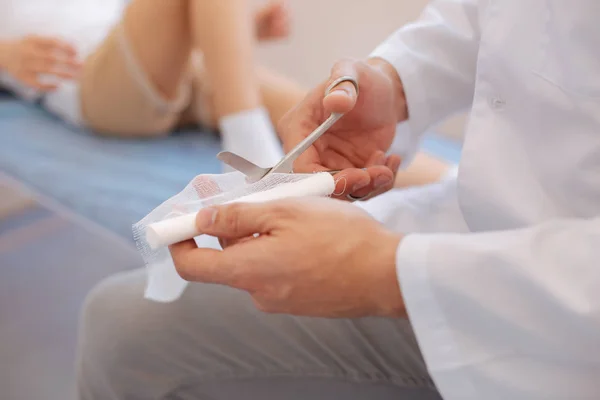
x=278, y=94
x=213, y=344
x=226, y=36
x=423, y=170
x=136, y=83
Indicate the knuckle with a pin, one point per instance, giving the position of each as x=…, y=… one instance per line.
x=182, y=266
x=229, y=220
x=183, y=270
x=184, y=273
x=266, y=307
x=282, y=209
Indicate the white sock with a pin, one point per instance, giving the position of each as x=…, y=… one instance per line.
x=251, y=134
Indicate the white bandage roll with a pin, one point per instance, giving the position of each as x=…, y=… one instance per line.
x=177, y=229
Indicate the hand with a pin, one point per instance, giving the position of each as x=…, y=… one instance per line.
x=272, y=21
x=28, y=59
x=313, y=257
x=361, y=137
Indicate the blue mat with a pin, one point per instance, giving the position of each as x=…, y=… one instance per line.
x=114, y=182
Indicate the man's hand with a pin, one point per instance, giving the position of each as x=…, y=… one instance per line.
x=314, y=257
x=30, y=59
x=363, y=135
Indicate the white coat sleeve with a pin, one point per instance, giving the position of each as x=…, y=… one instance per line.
x=494, y=311
x=436, y=59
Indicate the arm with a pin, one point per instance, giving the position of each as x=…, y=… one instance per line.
x=435, y=58
x=495, y=310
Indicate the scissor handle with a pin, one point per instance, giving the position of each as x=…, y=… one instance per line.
x=342, y=79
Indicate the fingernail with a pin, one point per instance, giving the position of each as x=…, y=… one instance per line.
x=381, y=160
x=359, y=186
x=382, y=180
x=343, y=90
x=206, y=217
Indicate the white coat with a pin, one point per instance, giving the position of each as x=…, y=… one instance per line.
x=500, y=269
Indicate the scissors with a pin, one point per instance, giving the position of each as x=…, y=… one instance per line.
x=254, y=173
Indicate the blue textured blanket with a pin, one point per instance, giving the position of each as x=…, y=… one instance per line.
x=114, y=182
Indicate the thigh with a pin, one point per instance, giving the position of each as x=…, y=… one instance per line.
x=117, y=96
x=159, y=36
x=424, y=170
x=213, y=343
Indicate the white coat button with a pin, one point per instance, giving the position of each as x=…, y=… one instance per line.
x=497, y=103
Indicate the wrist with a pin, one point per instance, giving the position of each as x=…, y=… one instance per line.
x=387, y=296
x=396, y=82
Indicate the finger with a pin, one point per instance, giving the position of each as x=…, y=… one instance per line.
x=237, y=220
x=378, y=158
x=41, y=86
x=342, y=98
x=53, y=65
x=349, y=181
x=380, y=178
x=56, y=45
x=393, y=162
x=201, y=265
x=377, y=190
x=54, y=73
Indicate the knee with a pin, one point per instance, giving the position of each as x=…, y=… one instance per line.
x=110, y=337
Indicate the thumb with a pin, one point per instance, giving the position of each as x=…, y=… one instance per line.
x=342, y=97
x=237, y=220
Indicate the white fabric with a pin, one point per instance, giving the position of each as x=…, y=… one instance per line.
x=178, y=229
x=250, y=134
x=82, y=23
x=174, y=220
x=505, y=299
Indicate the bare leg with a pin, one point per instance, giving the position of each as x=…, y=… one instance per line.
x=163, y=34
x=226, y=36
x=159, y=33
x=423, y=170
x=278, y=95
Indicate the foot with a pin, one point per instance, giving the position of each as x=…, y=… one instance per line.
x=272, y=21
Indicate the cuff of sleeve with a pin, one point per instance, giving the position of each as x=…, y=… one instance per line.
x=408, y=134
x=432, y=330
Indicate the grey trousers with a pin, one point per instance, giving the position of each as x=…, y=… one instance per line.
x=213, y=344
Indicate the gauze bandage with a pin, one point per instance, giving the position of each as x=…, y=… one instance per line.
x=174, y=220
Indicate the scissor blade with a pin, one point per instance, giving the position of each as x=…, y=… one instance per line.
x=251, y=170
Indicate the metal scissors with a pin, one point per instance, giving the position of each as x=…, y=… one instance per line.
x=254, y=173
